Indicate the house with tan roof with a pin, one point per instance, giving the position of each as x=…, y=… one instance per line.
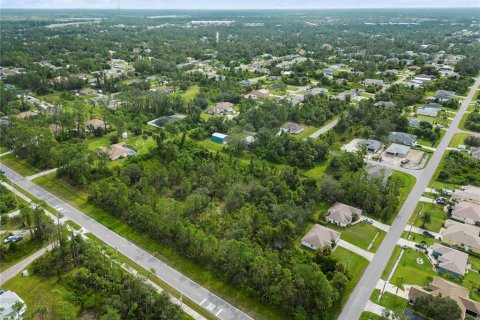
x=26, y=115
x=449, y=260
x=55, y=128
x=462, y=235
x=450, y=290
x=258, y=94
x=117, y=151
x=320, y=236
x=221, y=108
x=467, y=212
x=342, y=214
x=467, y=193
x=95, y=124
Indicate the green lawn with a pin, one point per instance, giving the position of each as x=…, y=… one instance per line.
x=430, y=143
x=435, y=184
x=389, y=301
x=19, y=165
x=3, y=149
x=317, y=171
x=37, y=291
x=471, y=281
x=361, y=235
x=461, y=125
x=391, y=262
x=437, y=216
x=190, y=94
x=369, y=316
x=411, y=271
x=306, y=132
x=78, y=198
x=458, y=138
x=407, y=182
x=356, y=265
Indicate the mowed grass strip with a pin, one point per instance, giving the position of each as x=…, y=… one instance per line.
x=19, y=165
x=77, y=198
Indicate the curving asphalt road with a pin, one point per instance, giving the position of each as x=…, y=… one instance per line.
x=361, y=294
x=199, y=295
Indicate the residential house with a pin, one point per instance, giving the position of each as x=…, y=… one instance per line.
x=422, y=78
x=429, y=112
x=32, y=101
x=165, y=90
x=95, y=124
x=315, y=91
x=467, y=193
x=397, y=150
x=373, y=146
x=432, y=105
x=354, y=94
x=221, y=108
x=373, y=82
x=258, y=94
x=291, y=127
x=26, y=115
x=475, y=152
x=8, y=301
x=467, y=212
x=342, y=214
x=415, y=122
x=118, y=150
x=402, y=138
x=449, y=260
x=296, y=99
x=378, y=172
x=245, y=83
x=219, y=137
x=444, y=95
x=319, y=237
x=451, y=290
x=462, y=235
x=87, y=91
x=386, y=104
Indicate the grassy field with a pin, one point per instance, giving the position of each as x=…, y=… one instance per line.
x=361, y=235
x=435, y=184
x=356, y=265
x=408, y=266
x=438, y=216
x=78, y=198
x=317, y=171
x=419, y=238
x=3, y=149
x=19, y=165
x=458, y=138
x=433, y=143
x=190, y=94
x=37, y=291
x=408, y=182
x=389, y=301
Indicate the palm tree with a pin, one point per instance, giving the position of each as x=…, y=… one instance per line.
x=398, y=282
x=426, y=219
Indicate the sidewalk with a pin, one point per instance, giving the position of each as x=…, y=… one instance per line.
x=36, y=175
x=391, y=289
x=364, y=253
x=374, y=308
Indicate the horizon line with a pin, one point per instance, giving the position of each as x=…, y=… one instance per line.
x=252, y=9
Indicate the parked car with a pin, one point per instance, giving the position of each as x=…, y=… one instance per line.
x=418, y=145
x=1, y=171
x=447, y=192
x=441, y=200
x=421, y=246
x=369, y=221
x=428, y=234
x=13, y=238
x=405, y=161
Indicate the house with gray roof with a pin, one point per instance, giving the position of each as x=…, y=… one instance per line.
x=432, y=105
x=372, y=145
x=319, y=237
x=386, y=104
x=429, y=112
x=292, y=127
x=449, y=260
x=402, y=138
x=444, y=95
x=415, y=122
x=397, y=150
x=475, y=152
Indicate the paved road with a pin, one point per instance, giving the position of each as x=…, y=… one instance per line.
x=215, y=305
x=324, y=129
x=16, y=269
x=360, y=296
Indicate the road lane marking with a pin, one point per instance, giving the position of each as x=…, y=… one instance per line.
x=219, y=311
x=202, y=301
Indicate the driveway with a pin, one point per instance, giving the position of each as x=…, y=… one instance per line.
x=351, y=247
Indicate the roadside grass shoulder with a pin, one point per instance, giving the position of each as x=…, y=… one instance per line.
x=369, y=316
x=356, y=265
x=19, y=165
x=458, y=138
x=78, y=198
x=391, y=262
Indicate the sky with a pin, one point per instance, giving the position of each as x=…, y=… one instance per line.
x=233, y=4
